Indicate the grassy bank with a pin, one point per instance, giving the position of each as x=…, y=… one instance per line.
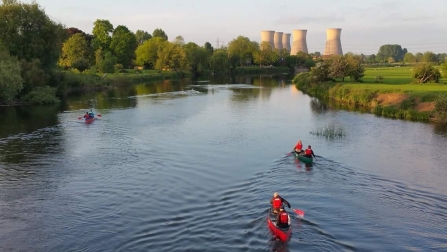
x=396, y=97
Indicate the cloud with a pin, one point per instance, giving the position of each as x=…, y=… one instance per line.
x=289, y=20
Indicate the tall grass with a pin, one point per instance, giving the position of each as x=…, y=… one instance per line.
x=329, y=131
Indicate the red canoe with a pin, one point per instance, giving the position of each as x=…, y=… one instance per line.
x=282, y=233
x=89, y=120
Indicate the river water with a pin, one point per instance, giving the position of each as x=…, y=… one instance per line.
x=191, y=166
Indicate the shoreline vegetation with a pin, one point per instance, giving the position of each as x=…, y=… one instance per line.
x=390, y=92
x=45, y=61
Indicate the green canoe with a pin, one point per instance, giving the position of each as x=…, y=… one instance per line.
x=304, y=159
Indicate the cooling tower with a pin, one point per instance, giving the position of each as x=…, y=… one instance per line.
x=299, y=43
x=286, y=41
x=333, y=43
x=277, y=39
x=268, y=36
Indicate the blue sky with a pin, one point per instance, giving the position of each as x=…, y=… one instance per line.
x=367, y=24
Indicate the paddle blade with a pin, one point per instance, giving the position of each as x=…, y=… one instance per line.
x=299, y=212
x=98, y=115
x=80, y=117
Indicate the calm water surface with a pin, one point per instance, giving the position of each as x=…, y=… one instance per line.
x=191, y=166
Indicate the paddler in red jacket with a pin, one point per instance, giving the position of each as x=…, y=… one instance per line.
x=298, y=147
x=277, y=202
x=309, y=152
x=282, y=219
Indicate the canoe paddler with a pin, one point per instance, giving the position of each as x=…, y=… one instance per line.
x=277, y=202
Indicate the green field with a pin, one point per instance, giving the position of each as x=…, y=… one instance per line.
x=393, y=75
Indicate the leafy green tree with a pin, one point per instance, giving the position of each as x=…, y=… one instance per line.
x=179, y=40
x=338, y=67
x=242, y=48
x=394, y=51
x=123, y=45
x=171, y=56
x=11, y=81
x=102, y=30
x=28, y=33
x=418, y=57
x=33, y=75
x=159, y=33
x=372, y=58
x=142, y=36
x=197, y=57
x=425, y=72
x=409, y=58
x=219, y=61
x=107, y=64
x=74, y=49
x=429, y=57
x=442, y=57
x=265, y=54
x=355, y=70
x=209, y=48
x=146, y=53
x=320, y=72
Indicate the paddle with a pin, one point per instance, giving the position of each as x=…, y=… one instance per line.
x=299, y=212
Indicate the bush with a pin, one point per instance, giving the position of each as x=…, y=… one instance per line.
x=425, y=72
x=441, y=105
x=42, y=95
x=80, y=64
x=379, y=79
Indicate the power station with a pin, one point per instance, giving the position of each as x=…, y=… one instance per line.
x=333, y=42
x=286, y=41
x=277, y=40
x=299, y=42
x=281, y=40
x=268, y=36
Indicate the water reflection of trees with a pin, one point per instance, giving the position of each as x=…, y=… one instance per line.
x=262, y=87
x=29, y=131
x=321, y=106
x=122, y=96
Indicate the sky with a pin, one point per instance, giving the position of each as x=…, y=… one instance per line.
x=417, y=25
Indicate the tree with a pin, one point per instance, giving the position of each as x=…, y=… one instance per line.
x=10, y=80
x=142, y=36
x=372, y=58
x=28, y=33
x=425, y=72
x=219, y=61
x=418, y=56
x=75, y=49
x=170, y=56
x=159, y=33
x=355, y=70
x=264, y=55
x=429, y=57
x=197, y=57
x=409, y=58
x=242, y=48
x=338, y=67
x=179, y=40
x=209, y=48
x=107, y=63
x=123, y=45
x=146, y=54
x=101, y=32
x=394, y=51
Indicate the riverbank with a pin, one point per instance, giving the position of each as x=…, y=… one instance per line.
x=419, y=102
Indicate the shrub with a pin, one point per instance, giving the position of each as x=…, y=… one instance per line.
x=441, y=105
x=425, y=72
x=42, y=95
x=379, y=79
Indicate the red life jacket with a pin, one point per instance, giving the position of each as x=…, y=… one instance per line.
x=284, y=218
x=299, y=146
x=277, y=202
x=308, y=152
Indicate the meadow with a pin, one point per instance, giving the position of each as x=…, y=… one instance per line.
x=398, y=95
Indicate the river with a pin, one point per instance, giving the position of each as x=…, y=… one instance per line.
x=191, y=166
